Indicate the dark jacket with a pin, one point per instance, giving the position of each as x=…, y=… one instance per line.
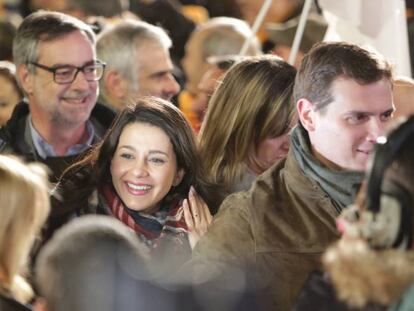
x=15, y=138
x=9, y=304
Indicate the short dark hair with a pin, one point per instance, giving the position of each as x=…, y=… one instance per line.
x=44, y=26
x=327, y=61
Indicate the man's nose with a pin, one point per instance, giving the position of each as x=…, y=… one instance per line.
x=80, y=81
x=171, y=86
x=376, y=129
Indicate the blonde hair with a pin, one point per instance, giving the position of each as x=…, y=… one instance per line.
x=24, y=196
x=252, y=103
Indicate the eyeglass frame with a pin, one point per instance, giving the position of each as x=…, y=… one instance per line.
x=78, y=69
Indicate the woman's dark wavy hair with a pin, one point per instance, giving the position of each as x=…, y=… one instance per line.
x=93, y=171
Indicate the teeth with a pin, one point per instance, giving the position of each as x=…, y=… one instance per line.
x=79, y=100
x=75, y=99
x=135, y=187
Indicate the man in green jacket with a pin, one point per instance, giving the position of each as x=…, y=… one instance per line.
x=270, y=237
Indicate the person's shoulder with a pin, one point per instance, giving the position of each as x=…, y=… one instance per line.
x=101, y=108
x=76, y=177
x=235, y=200
x=7, y=137
x=13, y=131
x=263, y=187
x=102, y=117
x=3, y=141
x=75, y=193
x=270, y=178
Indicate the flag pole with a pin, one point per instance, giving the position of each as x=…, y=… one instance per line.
x=299, y=31
x=256, y=25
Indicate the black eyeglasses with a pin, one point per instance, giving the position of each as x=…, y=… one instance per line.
x=67, y=74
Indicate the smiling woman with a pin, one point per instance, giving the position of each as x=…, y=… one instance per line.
x=144, y=167
x=146, y=172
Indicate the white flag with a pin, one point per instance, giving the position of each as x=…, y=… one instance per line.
x=378, y=24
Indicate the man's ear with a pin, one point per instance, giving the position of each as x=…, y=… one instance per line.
x=40, y=305
x=116, y=85
x=306, y=113
x=178, y=177
x=25, y=78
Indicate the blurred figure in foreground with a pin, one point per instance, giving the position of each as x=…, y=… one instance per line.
x=24, y=200
x=94, y=263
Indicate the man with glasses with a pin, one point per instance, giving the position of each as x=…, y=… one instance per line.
x=58, y=71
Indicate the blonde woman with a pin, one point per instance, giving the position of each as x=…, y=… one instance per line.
x=24, y=201
x=245, y=130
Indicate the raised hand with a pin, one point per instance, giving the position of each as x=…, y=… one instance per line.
x=197, y=216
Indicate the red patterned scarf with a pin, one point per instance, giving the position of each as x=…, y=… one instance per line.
x=169, y=220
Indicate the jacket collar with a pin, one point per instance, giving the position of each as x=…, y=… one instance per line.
x=17, y=135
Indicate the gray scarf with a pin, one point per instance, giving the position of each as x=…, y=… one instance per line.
x=339, y=185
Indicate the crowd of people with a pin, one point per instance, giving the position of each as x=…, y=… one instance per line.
x=160, y=155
